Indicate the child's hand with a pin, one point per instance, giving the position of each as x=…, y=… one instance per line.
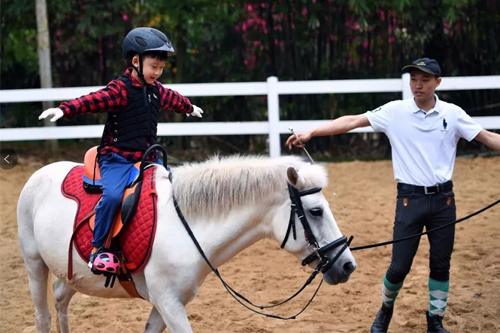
x=55, y=112
x=196, y=112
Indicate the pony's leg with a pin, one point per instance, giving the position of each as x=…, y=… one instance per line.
x=63, y=295
x=155, y=322
x=174, y=315
x=38, y=274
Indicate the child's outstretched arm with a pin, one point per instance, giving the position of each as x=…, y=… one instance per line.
x=174, y=101
x=197, y=111
x=110, y=98
x=56, y=114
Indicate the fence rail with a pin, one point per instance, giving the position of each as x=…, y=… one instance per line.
x=272, y=88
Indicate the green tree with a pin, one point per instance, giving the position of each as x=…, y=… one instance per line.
x=235, y=41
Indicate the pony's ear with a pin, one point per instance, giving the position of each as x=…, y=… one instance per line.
x=294, y=178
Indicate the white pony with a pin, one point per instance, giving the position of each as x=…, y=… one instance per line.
x=230, y=203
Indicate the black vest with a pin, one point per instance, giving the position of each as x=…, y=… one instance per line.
x=135, y=125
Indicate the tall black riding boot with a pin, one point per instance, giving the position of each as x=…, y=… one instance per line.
x=435, y=324
x=382, y=320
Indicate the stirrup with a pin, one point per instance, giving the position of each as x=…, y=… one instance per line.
x=103, y=262
x=106, y=262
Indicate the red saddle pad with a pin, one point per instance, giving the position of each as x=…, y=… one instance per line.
x=135, y=239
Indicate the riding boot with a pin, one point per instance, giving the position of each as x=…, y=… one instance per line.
x=382, y=320
x=93, y=254
x=435, y=324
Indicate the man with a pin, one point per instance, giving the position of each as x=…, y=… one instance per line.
x=423, y=132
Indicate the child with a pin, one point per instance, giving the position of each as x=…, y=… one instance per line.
x=132, y=102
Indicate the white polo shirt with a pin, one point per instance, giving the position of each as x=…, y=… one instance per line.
x=424, y=144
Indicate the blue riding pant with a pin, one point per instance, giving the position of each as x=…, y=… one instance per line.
x=414, y=211
x=115, y=171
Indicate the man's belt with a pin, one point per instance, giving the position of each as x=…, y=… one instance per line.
x=444, y=187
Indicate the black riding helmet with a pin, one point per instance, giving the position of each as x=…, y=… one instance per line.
x=142, y=40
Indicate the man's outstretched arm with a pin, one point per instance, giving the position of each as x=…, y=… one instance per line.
x=340, y=125
x=490, y=139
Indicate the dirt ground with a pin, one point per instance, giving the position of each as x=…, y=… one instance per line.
x=362, y=197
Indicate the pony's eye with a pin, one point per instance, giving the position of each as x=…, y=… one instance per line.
x=316, y=212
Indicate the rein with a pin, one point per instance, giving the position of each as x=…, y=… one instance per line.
x=369, y=246
x=318, y=253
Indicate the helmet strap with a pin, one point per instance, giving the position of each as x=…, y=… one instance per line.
x=139, y=70
x=141, y=75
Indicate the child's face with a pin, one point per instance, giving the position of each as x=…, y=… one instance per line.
x=151, y=68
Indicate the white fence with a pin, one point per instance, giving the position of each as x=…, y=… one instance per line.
x=272, y=88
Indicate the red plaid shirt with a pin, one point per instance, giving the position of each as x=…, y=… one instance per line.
x=114, y=98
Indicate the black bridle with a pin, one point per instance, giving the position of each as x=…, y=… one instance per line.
x=318, y=253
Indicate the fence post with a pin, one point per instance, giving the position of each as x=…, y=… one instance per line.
x=273, y=113
x=405, y=81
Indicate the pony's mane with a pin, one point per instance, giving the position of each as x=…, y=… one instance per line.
x=214, y=187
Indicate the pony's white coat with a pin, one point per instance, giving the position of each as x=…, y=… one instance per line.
x=230, y=203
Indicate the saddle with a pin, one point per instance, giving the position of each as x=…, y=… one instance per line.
x=92, y=184
x=133, y=230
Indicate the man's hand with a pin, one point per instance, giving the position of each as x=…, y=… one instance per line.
x=299, y=140
x=56, y=113
x=196, y=112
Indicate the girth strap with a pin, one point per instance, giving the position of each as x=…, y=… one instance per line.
x=125, y=278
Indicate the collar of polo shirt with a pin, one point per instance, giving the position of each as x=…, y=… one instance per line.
x=415, y=107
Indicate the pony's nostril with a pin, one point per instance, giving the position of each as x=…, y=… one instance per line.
x=349, y=267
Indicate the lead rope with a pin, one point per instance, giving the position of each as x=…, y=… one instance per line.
x=356, y=248
x=237, y=296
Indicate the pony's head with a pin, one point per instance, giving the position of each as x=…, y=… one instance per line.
x=318, y=239
x=258, y=189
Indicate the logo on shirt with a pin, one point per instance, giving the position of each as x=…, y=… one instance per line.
x=154, y=95
x=377, y=109
x=445, y=125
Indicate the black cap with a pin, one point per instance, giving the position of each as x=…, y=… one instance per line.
x=426, y=65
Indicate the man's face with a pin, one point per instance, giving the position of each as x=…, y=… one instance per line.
x=423, y=85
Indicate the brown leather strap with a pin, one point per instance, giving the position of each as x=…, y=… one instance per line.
x=70, y=256
x=71, y=241
x=129, y=286
x=125, y=278
x=109, y=237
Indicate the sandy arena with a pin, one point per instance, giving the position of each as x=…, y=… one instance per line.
x=364, y=207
